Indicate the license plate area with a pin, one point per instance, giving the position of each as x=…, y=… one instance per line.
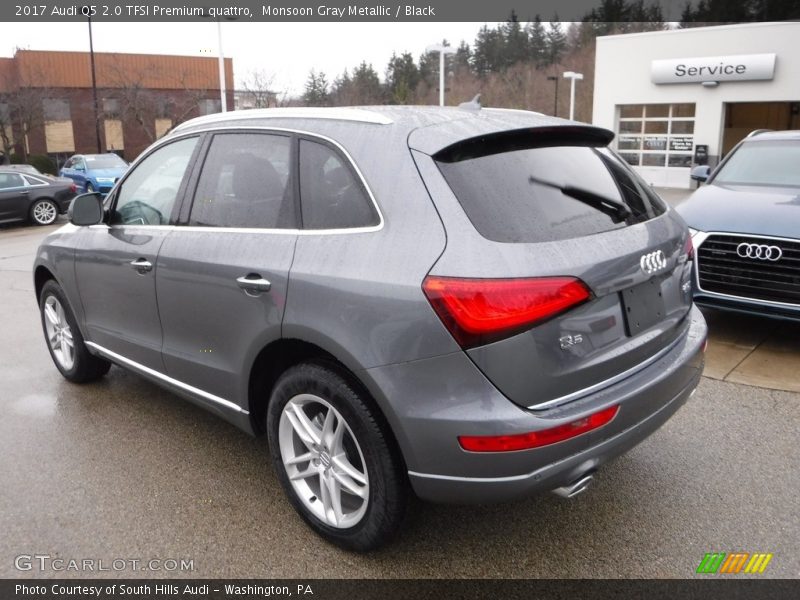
x=643, y=306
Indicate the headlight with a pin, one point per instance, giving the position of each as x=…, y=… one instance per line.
x=692, y=232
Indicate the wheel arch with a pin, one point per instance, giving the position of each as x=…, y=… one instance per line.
x=278, y=356
x=42, y=275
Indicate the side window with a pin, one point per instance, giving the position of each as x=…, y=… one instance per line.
x=33, y=180
x=245, y=183
x=10, y=180
x=331, y=196
x=149, y=192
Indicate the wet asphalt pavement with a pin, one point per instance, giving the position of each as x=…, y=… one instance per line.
x=121, y=469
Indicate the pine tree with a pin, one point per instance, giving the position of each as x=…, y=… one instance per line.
x=316, y=90
x=537, y=41
x=556, y=41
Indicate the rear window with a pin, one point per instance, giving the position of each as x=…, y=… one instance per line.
x=541, y=194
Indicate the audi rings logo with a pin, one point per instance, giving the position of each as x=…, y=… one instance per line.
x=655, y=261
x=759, y=251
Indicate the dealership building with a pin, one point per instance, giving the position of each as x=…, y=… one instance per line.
x=685, y=97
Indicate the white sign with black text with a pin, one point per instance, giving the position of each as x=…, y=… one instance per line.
x=742, y=67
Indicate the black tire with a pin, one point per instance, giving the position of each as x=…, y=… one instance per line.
x=89, y=188
x=85, y=367
x=387, y=495
x=44, y=212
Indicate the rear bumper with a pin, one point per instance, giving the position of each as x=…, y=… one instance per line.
x=432, y=402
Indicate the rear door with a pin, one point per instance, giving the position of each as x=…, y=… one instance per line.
x=13, y=197
x=530, y=207
x=222, y=275
x=115, y=263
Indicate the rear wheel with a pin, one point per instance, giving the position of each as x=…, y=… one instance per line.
x=44, y=212
x=334, y=459
x=64, y=339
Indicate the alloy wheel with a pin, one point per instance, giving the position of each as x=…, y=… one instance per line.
x=59, y=333
x=323, y=461
x=45, y=213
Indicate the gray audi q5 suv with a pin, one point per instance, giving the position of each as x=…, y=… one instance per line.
x=472, y=304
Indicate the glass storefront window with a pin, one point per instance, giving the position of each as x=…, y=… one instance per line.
x=656, y=135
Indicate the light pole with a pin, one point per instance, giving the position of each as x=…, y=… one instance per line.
x=94, y=88
x=554, y=79
x=223, y=101
x=442, y=50
x=573, y=77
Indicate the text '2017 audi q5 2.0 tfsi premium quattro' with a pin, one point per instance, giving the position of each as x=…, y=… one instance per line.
x=473, y=305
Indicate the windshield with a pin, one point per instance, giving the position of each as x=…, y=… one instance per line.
x=108, y=161
x=772, y=162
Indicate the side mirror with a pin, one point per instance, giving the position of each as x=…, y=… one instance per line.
x=700, y=173
x=86, y=209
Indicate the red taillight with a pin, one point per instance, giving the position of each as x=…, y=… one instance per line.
x=478, y=311
x=73, y=188
x=536, y=439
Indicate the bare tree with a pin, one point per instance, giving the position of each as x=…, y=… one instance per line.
x=21, y=110
x=142, y=105
x=257, y=87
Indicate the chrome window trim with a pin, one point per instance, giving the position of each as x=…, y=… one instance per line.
x=294, y=231
x=606, y=382
x=165, y=378
x=337, y=114
x=702, y=236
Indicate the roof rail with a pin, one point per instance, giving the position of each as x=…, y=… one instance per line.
x=342, y=114
x=758, y=131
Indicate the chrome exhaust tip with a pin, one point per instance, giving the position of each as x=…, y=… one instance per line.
x=575, y=488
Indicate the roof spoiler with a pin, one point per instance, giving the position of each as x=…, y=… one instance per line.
x=524, y=139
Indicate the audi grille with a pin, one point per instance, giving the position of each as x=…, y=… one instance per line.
x=749, y=267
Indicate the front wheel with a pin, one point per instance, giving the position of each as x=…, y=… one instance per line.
x=44, y=212
x=89, y=188
x=64, y=339
x=335, y=459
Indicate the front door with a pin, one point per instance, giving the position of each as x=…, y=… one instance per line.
x=115, y=263
x=222, y=278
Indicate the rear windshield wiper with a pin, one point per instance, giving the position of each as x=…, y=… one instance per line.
x=613, y=208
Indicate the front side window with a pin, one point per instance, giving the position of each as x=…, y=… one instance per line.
x=331, y=196
x=245, y=182
x=149, y=192
x=772, y=162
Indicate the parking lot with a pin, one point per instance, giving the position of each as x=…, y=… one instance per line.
x=123, y=470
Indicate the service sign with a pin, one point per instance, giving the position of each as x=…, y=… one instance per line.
x=742, y=67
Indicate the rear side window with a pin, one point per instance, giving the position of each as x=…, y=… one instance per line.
x=330, y=193
x=518, y=194
x=245, y=183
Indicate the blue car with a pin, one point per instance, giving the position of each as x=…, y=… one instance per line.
x=94, y=172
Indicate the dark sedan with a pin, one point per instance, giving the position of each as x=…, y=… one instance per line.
x=35, y=198
x=746, y=228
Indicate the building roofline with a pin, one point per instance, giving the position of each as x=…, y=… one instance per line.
x=687, y=30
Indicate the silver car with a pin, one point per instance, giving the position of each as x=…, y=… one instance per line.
x=471, y=305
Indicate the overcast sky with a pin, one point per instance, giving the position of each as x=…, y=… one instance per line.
x=286, y=50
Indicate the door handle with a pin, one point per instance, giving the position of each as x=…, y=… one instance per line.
x=253, y=284
x=142, y=265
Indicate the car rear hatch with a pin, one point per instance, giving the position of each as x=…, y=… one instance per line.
x=563, y=271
